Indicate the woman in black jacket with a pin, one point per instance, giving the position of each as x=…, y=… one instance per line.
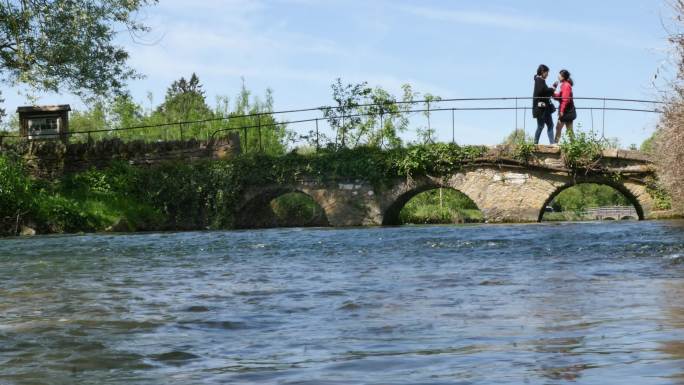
x=542, y=108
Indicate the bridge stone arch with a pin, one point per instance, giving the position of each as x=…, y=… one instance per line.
x=502, y=191
x=508, y=194
x=344, y=203
x=405, y=189
x=633, y=190
x=254, y=208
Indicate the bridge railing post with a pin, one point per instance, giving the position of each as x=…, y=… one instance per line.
x=244, y=134
x=318, y=144
x=261, y=147
x=516, y=119
x=603, y=127
x=453, y=128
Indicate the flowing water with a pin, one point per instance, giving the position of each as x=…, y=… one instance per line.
x=587, y=303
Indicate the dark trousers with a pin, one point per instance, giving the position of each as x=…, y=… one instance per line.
x=544, y=118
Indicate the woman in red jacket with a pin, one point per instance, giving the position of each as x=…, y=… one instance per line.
x=566, y=113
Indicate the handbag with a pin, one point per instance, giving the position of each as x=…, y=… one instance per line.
x=569, y=115
x=552, y=108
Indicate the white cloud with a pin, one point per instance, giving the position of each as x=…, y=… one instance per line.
x=523, y=22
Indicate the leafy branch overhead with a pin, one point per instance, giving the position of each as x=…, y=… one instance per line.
x=50, y=44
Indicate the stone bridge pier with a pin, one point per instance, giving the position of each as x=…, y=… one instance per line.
x=504, y=193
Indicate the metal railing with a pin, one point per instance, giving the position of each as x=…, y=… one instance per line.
x=313, y=127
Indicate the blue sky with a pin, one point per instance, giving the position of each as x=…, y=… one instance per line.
x=452, y=48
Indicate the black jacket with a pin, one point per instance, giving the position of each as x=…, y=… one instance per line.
x=542, y=93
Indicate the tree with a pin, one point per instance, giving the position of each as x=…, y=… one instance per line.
x=252, y=118
x=125, y=112
x=49, y=44
x=517, y=136
x=669, y=143
x=94, y=118
x=648, y=145
x=368, y=116
x=383, y=118
x=2, y=110
x=185, y=101
x=427, y=134
x=344, y=118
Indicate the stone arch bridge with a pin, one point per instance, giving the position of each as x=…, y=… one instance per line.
x=503, y=191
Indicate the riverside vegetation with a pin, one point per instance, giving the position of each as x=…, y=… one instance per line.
x=668, y=141
x=197, y=195
x=203, y=194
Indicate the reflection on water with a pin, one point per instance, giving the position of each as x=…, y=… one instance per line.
x=536, y=304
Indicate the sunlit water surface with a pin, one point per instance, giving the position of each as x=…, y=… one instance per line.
x=585, y=303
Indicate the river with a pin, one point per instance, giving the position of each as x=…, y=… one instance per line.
x=585, y=303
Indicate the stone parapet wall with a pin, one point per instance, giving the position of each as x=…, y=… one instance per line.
x=52, y=158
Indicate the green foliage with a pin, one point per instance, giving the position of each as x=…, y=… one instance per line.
x=438, y=159
x=371, y=117
x=583, y=152
x=90, y=201
x=16, y=199
x=185, y=102
x=205, y=194
x=344, y=118
x=45, y=44
x=440, y=206
x=517, y=136
x=523, y=151
x=297, y=209
x=253, y=119
x=92, y=119
x=579, y=198
x=59, y=214
x=519, y=146
x=648, y=146
x=2, y=110
x=426, y=135
x=661, y=197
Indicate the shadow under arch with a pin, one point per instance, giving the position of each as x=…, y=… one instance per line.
x=617, y=186
x=391, y=216
x=257, y=211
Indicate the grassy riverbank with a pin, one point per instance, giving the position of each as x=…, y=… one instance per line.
x=199, y=195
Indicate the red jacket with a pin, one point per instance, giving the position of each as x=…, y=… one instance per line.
x=564, y=96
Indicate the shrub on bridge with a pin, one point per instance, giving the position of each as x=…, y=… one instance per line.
x=583, y=152
x=439, y=159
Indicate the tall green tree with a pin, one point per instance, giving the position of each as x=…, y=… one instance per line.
x=57, y=45
x=427, y=133
x=2, y=110
x=253, y=119
x=384, y=118
x=365, y=116
x=343, y=118
x=185, y=100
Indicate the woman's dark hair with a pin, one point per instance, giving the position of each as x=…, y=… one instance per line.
x=566, y=75
x=541, y=69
